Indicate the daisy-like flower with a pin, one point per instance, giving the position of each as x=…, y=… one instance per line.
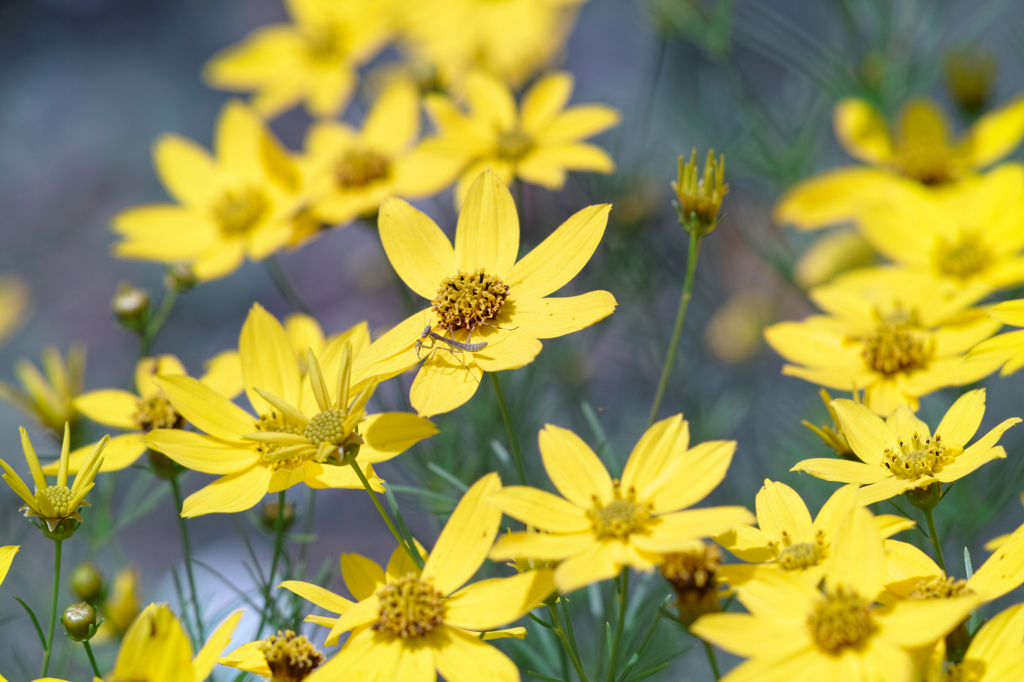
x=901, y=454
x=996, y=652
x=313, y=60
x=290, y=438
x=348, y=172
x=409, y=623
x=537, y=142
x=56, y=505
x=787, y=540
x=601, y=526
x=480, y=293
x=918, y=156
x=796, y=632
x=6, y=557
x=284, y=657
x=237, y=205
x=48, y=396
x=890, y=333
x=1005, y=349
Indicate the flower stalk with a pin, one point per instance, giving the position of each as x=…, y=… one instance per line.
x=58, y=545
x=186, y=548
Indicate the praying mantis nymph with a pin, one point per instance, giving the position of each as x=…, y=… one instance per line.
x=453, y=344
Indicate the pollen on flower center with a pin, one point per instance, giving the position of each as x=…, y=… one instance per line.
x=620, y=517
x=238, y=212
x=410, y=607
x=842, y=619
x=290, y=657
x=896, y=346
x=918, y=457
x=156, y=412
x=327, y=427
x=360, y=167
x=943, y=587
x=964, y=258
x=60, y=497
x=514, y=144
x=793, y=556
x=928, y=164
x=469, y=299
x=275, y=423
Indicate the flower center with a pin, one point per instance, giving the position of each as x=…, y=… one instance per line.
x=929, y=164
x=275, y=423
x=692, y=576
x=967, y=671
x=237, y=212
x=360, y=167
x=620, y=517
x=327, y=427
x=943, y=587
x=60, y=497
x=919, y=457
x=796, y=556
x=155, y=412
x=469, y=299
x=842, y=619
x=964, y=258
x=896, y=346
x=513, y=145
x=290, y=657
x=325, y=45
x=410, y=607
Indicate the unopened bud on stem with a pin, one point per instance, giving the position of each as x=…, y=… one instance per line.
x=700, y=195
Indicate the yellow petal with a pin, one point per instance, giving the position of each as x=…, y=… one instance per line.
x=664, y=443
x=506, y=350
x=998, y=637
x=544, y=169
x=443, y=384
x=268, y=360
x=390, y=434
x=689, y=479
x=248, y=657
x=248, y=64
x=545, y=100
x=890, y=487
x=32, y=459
x=487, y=235
x=359, y=614
x=401, y=564
x=331, y=90
x=111, y=407
x=541, y=509
x=747, y=543
x=231, y=493
x=418, y=250
x=490, y=100
x=465, y=658
x=155, y=641
x=362, y=576
x=238, y=139
x=963, y=418
x=540, y=546
x=204, y=661
x=772, y=594
x=6, y=557
x=862, y=131
x=494, y=603
x=922, y=122
x=1004, y=570
x=202, y=453
x=858, y=560
x=835, y=509
x=219, y=260
x=344, y=477
x=578, y=123
x=891, y=524
x=503, y=169
x=186, y=170
x=161, y=365
x=323, y=598
x=393, y=123
x=832, y=197
x=119, y=453
x=842, y=470
x=207, y=410
x=573, y=467
x=920, y=623
x=676, y=531
x=560, y=257
x=598, y=563
x=907, y=566
x=505, y=633
x=466, y=538
x=995, y=134
x=903, y=424
x=749, y=636
x=781, y=513
x=867, y=434
x=367, y=656
x=549, y=318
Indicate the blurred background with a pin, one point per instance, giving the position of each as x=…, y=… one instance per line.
x=87, y=85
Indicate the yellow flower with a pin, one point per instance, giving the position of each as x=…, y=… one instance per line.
x=1004, y=349
x=995, y=652
x=604, y=525
x=56, y=505
x=798, y=633
x=49, y=398
x=480, y=293
x=537, y=142
x=408, y=624
x=833, y=254
x=891, y=333
x=348, y=173
x=918, y=156
x=122, y=605
x=284, y=657
x=6, y=557
x=235, y=205
x=13, y=305
x=900, y=454
x=787, y=540
x=260, y=454
x=313, y=60
x=735, y=333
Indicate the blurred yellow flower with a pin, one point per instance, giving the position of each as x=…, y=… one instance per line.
x=314, y=60
x=238, y=204
x=832, y=254
x=408, y=624
x=1004, y=349
x=284, y=657
x=918, y=156
x=995, y=652
x=121, y=606
x=796, y=632
x=601, y=525
x=6, y=557
x=13, y=306
x=49, y=398
x=900, y=454
x=537, y=142
x=735, y=333
x=480, y=293
x=56, y=505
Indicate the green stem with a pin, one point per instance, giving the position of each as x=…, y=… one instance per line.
x=517, y=454
x=278, y=546
x=684, y=302
x=709, y=650
x=645, y=641
x=384, y=515
x=186, y=548
x=53, y=608
x=935, y=539
x=92, y=659
x=567, y=646
x=284, y=284
x=623, y=589
x=156, y=322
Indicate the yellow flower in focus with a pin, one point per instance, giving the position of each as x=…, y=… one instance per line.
x=48, y=396
x=833, y=254
x=787, y=540
x=919, y=156
x=1004, y=349
x=284, y=657
x=796, y=632
x=6, y=557
x=601, y=525
x=901, y=454
x=237, y=205
x=13, y=306
x=890, y=333
x=537, y=142
x=480, y=293
x=409, y=623
x=56, y=505
x=260, y=454
x=314, y=60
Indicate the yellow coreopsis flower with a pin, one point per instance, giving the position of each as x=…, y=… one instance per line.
x=237, y=205
x=796, y=632
x=313, y=60
x=1005, y=349
x=537, y=142
x=890, y=333
x=786, y=539
x=601, y=525
x=409, y=623
x=56, y=505
x=481, y=294
x=48, y=396
x=284, y=657
x=918, y=156
x=260, y=454
x=900, y=454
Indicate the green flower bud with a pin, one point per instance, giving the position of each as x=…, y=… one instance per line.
x=180, y=277
x=269, y=518
x=700, y=196
x=87, y=582
x=79, y=620
x=130, y=306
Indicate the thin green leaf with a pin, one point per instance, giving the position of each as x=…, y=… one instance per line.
x=35, y=621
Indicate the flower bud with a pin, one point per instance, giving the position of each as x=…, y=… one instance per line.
x=180, y=277
x=833, y=435
x=87, y=582
x=693, y=576
x=79, y=621
x=163, y=466
x=970, y=74
x=130, y=306
x=269, y=518
x=700, y=196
